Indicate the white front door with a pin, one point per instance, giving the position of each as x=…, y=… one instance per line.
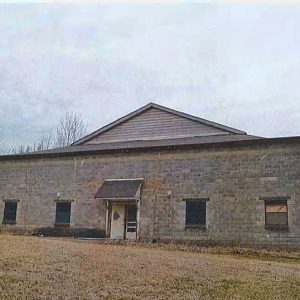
x=117, y=221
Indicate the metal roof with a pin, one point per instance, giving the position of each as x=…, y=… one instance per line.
x=119, y=189
x=135, y=145
x=155, y=145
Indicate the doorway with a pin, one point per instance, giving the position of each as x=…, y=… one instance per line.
x=123, y=221
x=131, y=224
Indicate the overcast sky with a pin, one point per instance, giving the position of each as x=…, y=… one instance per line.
x=237, y=65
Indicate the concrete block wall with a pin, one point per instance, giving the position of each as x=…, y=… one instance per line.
x=233, y=178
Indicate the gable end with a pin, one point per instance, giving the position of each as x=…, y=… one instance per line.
x=155, y=122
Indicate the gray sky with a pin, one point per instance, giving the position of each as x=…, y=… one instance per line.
x=237, y=65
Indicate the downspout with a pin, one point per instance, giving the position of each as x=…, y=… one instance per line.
x=26, y=202
x=137, y=218
x=107, y=219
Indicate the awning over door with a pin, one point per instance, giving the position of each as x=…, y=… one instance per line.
x=120, y=189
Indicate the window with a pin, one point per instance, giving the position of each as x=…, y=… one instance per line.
x=195, y=213
x=10, y=212
x=63, y=213
x=276, y=214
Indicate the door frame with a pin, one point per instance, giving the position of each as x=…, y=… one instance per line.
x=127, y=233
x=109, y=204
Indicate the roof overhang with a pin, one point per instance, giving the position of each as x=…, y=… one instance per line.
x=146, y=146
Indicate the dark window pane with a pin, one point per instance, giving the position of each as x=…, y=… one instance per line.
x=10, y=213
x=63, y=213
x=195, y=212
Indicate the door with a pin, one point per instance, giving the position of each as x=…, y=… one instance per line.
x=117, y=224
x=131, y=224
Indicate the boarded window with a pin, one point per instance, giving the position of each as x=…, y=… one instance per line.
x=63, y=213
x=10, y=212
x=276, y=213
x=195, y=213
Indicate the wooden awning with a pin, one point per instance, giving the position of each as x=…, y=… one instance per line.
x=118, y=189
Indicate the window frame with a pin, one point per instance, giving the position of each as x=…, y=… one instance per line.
x=7, y=221
x=62, y=224
x=196, y=200
x=276, y=201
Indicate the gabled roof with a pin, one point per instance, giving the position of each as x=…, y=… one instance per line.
x=161, y=108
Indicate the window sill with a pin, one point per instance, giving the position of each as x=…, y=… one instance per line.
x=62, y=224
x=195, y=227
x=277, y=227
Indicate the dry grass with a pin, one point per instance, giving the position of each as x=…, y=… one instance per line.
x=43, y=268
x=280, y=254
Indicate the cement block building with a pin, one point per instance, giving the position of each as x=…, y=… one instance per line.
x=159, y=174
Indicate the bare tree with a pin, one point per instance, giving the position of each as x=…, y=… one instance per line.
x=20, y=149
x=45, y=142
x=71, y=128
x=4, y=149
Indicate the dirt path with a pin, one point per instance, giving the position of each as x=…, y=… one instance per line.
x=41, y=268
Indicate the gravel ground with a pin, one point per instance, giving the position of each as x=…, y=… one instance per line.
x=45, y=268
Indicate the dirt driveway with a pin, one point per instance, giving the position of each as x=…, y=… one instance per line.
x=44, y=268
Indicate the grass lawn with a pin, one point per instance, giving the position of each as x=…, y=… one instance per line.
x=44, y=268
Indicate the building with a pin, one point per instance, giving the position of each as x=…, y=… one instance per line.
x=159, y=174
